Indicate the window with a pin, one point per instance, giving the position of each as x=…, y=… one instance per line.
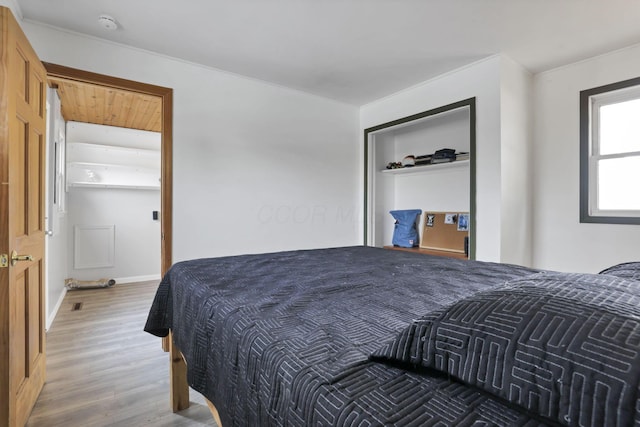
x=610, y=153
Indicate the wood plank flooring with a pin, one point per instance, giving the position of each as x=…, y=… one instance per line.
x=104, y=370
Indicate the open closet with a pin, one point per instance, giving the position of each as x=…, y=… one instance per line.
x=431, y=186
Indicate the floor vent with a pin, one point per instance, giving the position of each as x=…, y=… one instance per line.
x=76, y=306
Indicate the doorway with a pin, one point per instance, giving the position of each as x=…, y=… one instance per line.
x=59, y=74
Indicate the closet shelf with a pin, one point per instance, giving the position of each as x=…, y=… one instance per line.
x=428, y=168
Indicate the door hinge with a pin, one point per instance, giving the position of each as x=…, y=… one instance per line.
x=4, y=260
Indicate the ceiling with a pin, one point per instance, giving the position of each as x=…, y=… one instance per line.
x=89, y=103
x=353, y=51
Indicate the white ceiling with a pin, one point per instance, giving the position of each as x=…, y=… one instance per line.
x=354, y=51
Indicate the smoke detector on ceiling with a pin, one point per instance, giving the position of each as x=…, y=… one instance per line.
x=107, y=22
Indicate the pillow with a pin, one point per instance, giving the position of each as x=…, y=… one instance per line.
x=561, y=345
x=627, y=270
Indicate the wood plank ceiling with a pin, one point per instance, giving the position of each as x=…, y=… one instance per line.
x=89, y=103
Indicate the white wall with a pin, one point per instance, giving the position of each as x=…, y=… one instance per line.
x=561, y=242
x=516, y=124
x=257, y=167
x=480, y=80
x=137, y=235
x=56, y=241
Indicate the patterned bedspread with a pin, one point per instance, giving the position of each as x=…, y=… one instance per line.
x=285, y=338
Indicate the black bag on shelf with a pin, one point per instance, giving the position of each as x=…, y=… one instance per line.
x=443, y=156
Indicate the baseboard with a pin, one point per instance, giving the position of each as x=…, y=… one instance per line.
x=133, y=279
x=53, y=313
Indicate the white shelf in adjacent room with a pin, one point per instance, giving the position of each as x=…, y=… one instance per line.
x=78, y=184
x=105, y=175
x=108, y=166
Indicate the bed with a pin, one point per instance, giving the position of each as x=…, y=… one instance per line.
x=362, y=336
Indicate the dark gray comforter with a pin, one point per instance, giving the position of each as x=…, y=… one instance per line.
x=285, y=338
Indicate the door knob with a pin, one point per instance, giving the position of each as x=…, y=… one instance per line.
x=15, y=258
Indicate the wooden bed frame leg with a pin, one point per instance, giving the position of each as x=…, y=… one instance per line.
x=214, y=412
x=178, y=374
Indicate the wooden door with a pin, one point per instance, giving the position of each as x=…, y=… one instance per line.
x=22, y=157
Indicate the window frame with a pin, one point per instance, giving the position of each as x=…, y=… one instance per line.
x=589, y=125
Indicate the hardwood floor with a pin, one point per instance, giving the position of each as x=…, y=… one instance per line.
x=104, y=370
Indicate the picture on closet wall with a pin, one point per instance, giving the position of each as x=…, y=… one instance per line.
x=463, y=222
x=430, y=219
x=450, y=218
